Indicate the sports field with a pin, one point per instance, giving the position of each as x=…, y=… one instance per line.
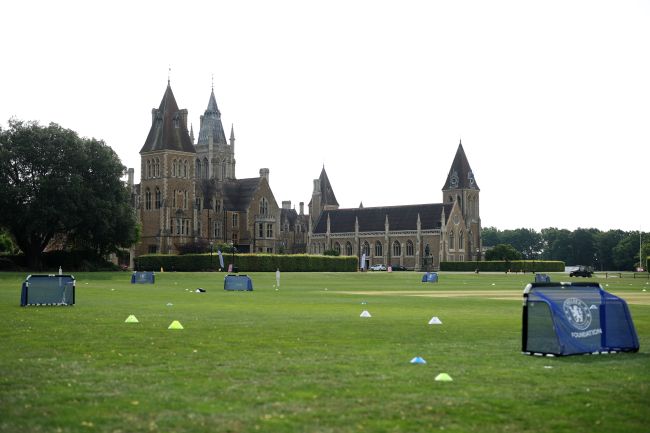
x=301, y=359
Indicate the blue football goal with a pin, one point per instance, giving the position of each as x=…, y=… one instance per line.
x=143, y=277
x=237, y=283
x=430, y=277
x=48, y=290
x=575, y=318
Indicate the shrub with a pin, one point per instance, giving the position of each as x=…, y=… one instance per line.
x=247, y=262
x=505, y=265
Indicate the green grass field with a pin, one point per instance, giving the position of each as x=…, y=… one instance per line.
x=300, y=359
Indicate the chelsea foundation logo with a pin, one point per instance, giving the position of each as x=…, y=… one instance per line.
x=577, y=313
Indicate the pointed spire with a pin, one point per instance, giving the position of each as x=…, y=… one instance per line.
x=192, y=132
x=460, y=174
x=211, y=124
x=327, y=193
x=361, y=205
x=168, y=127
x=232, y=133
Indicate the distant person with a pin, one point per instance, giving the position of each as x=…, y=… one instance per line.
x=277, y=278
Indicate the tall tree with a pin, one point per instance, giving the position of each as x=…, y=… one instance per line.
x=527, y=241
x=54, y=182
x=557, y=245
x=502, y=252
x=584, y=247
x=490, y=236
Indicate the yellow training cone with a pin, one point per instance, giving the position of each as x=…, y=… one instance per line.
x=175, y=325
x=131, y=319
x=443, y=377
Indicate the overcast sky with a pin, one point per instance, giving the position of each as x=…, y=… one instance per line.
x=550, y=98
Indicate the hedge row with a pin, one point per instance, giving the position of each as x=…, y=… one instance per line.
x=503, y=266
x=247, y=263
x=83, y=261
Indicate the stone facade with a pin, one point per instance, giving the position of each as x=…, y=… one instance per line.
x=189, y=195
x=413, y=236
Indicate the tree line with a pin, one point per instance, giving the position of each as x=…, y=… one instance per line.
x=604, y=250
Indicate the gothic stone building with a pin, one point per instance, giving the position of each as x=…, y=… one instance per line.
x=414, y=236
x=189, y=192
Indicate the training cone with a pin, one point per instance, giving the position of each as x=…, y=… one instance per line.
x=175, y=325
x=443, y=377
x=435, y=321
x=365, y=313
x=418, y=360
x=131, y=319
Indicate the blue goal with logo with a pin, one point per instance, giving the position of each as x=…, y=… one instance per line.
x=575, y=318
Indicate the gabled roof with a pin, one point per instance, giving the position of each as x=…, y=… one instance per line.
x=460, y=174
x=168, y=129
x=238, y=194
x=374, y=218
x=211, y=124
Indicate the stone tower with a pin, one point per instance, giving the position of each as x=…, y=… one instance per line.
x=215, y=157
x=167, y=181
x=461, y=186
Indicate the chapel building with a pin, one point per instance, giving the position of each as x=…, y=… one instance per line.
x=416, y=237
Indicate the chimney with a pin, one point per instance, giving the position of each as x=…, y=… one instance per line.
x=302, y=208
x=264, y=172
x=130, y=177
x=286, y=204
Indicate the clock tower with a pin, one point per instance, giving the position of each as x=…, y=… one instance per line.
x=461, y=186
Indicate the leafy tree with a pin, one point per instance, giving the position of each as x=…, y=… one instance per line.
x=490, y=236
x=6, y=244
x=502, y=252
x=626, y=252
x=54, y=182
x=605, y=243
x=557, y=245
x=583, y=247
x=527, y=241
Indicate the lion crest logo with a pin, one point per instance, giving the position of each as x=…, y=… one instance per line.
x=577, y=313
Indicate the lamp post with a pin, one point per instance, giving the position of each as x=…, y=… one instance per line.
x=211, y=250
x=234, y=250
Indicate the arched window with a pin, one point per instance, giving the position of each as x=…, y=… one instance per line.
x=223, y=169
x=174, y=168
x=147, y=199
x=148, y=169
x=264, y=207
x=158, y=198
x=452, y=245
x=197, y=168
x=397, y=249
x=206, y=168
x=365, y=249
x=157, y=168
x=186, y=171
x=348, y=249
x=379, y=250
x=461, y=240
x=337, y=247
x=409, y=248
